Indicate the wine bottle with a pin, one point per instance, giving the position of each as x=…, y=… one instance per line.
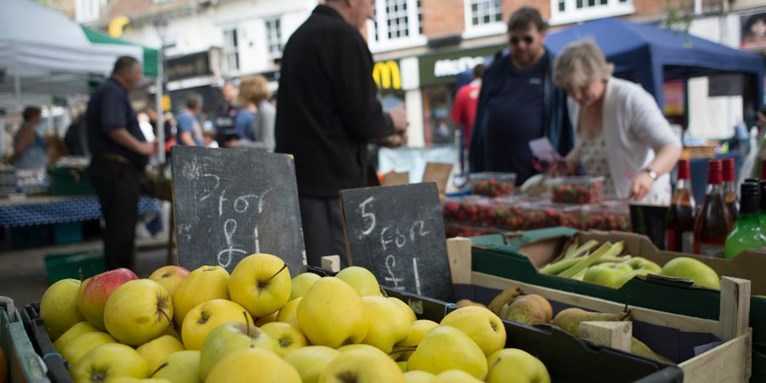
x=679, y=229
x=747, y=231
x=713, y=221
x=730, y=188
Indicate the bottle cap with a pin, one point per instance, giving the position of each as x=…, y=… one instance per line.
x=714, y=172
x=684, y=170
x=750, y=197
x=728, y=170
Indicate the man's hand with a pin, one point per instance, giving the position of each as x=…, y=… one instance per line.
x=147, y=148
x=399, y=119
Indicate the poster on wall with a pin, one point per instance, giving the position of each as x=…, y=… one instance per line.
x=753, y=31
x=674, y=98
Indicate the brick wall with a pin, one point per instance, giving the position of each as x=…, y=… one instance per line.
x=443, y=17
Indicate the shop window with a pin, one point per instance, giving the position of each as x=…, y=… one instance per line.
x=274, y=38
x=231, y=50
x=437, y=103
x=483, y=17
x=570, y=11
x=398, y=24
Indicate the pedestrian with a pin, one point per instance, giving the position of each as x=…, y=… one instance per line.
x=225, y=115
x=466, y=102
x=327, y=113
x=29, y=150
x=519, y=103
x=254, y=95
x=120, y=153
x=189, y=131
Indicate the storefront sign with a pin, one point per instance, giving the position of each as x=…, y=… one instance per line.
x=189, y=66
x=442, y=68
x=387, y=75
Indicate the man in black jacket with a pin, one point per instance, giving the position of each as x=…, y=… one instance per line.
x=327, y=113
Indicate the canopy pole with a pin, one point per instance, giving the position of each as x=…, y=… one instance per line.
x=160, y=112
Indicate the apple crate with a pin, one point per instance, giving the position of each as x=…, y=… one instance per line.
x=55, y=364
x=78, y=265
x=24, y=364
x=707, y=350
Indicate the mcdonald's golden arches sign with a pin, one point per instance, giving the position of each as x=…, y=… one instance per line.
x=387, y=75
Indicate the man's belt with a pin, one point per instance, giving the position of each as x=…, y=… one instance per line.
x=116, y=158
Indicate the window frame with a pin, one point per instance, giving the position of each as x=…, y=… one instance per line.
x=493, y=28
x=279, y=43
x=384, y=43
x=227, y=50
x=572, y=14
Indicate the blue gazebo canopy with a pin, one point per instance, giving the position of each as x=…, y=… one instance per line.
x=650, y=55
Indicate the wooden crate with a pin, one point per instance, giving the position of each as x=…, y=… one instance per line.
x=728, y=362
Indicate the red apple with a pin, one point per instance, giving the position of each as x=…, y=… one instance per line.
x=94, y=292
x=170, y=277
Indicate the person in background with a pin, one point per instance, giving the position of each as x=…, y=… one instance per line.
x=75, y=139
x=225, y=115
x=622, y=134
x=189, y=132
x=254, y=94
x=120, y=153
x=208, y=138
x=519, y=103
x=29, y=143
x=327, y=113
x=466, y=101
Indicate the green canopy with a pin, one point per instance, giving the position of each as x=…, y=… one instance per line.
x=151, y=56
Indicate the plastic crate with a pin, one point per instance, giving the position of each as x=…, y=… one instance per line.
x=55, y=363
x=27, y=237
x=69, y=232
x=65, y=181
x=24, y=364
x=78, y=265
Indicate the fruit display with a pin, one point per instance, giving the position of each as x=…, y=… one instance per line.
x=608, y=265
x=492, y=184
x=259, y=324
x=576, y=190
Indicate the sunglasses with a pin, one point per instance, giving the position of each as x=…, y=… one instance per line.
x=516, y=40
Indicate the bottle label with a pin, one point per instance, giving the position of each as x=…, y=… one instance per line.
x=687, y=242
x=711, y=250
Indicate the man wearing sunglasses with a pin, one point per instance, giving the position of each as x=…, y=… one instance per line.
x=519, y=102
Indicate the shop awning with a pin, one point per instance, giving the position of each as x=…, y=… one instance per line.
x=150, y=55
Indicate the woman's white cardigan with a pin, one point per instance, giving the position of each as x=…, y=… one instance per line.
x=633, y=129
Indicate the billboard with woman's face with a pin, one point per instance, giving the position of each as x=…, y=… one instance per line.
x=754, y=31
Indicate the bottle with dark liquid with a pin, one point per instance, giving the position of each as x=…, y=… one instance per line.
x=730, y=188
x=679, y=229
x=713, y=221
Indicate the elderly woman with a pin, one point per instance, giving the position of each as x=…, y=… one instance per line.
x=621, y=133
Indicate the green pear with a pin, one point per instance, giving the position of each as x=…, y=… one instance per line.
x=446, y=348
x=332, y=314
x=528, y=309
x=569, y=319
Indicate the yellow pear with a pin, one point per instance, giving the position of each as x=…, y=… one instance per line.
x=309, y=361
x=455, y=376
x=77, y=347
x=201, y=285
x=418, y=377
x=362, y=364
x=302, y=283
x=361, y=279
x=107, y=362
x=388, y=323
x=180, y=367
x=446, y=348
x=332, y=314
x=418, y=329
x=481, y=325
x=288, y=338
x=253, y=365
x=155, y=350
x=512, y=365
x=289, y=312
x=73, y=332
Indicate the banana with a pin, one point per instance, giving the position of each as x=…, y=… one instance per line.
x=507, y=296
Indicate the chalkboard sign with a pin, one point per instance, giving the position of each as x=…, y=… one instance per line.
x=230, y=203
x=397, y=232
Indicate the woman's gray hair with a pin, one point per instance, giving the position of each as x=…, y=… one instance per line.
x=580, y=64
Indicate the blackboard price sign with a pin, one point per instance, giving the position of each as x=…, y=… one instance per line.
x=397, y=232
x=230, y=203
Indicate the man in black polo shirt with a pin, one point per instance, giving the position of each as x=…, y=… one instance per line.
x=327, y=113
x=120, y=152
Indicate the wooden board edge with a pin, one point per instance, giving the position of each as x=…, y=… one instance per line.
x=729, y=362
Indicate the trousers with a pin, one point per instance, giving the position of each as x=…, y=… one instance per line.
x=322, y=229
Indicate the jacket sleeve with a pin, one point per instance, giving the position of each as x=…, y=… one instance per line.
x=360, y=109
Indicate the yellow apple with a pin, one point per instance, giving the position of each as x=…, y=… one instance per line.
x=402, y=365
x=260, y=283
x=455, y=376
x=362, y=363
x=126, y=379
x=171, y=330
x=73, y=332
x=446, y=348
x=267, y=319
x=180, y=367
x=301, y=284
x=480, y=324
x=170, y=277
x=77, y=347
x=387, y=325
x=107, y=362
x=138, y=311
x=230, y=337
x=418, y=330
x=58, y=307
x=205, y=317
x=361, y=279
x=309, y=361
x=512, y=365
x=289, y=312
x=332, y=314
x=253, y=365
x=155, y=350
x=201, y=285
x=405, y=307
x=288, y=338
x=418, y=377
x=95, y=291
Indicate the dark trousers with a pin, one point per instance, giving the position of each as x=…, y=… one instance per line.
x=322, y=229
x=117, y=186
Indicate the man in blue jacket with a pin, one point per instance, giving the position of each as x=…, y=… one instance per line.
x=519, y=103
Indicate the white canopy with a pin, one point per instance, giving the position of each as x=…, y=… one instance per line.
x=44, y=54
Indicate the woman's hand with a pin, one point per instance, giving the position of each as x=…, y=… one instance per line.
x=642, y=184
